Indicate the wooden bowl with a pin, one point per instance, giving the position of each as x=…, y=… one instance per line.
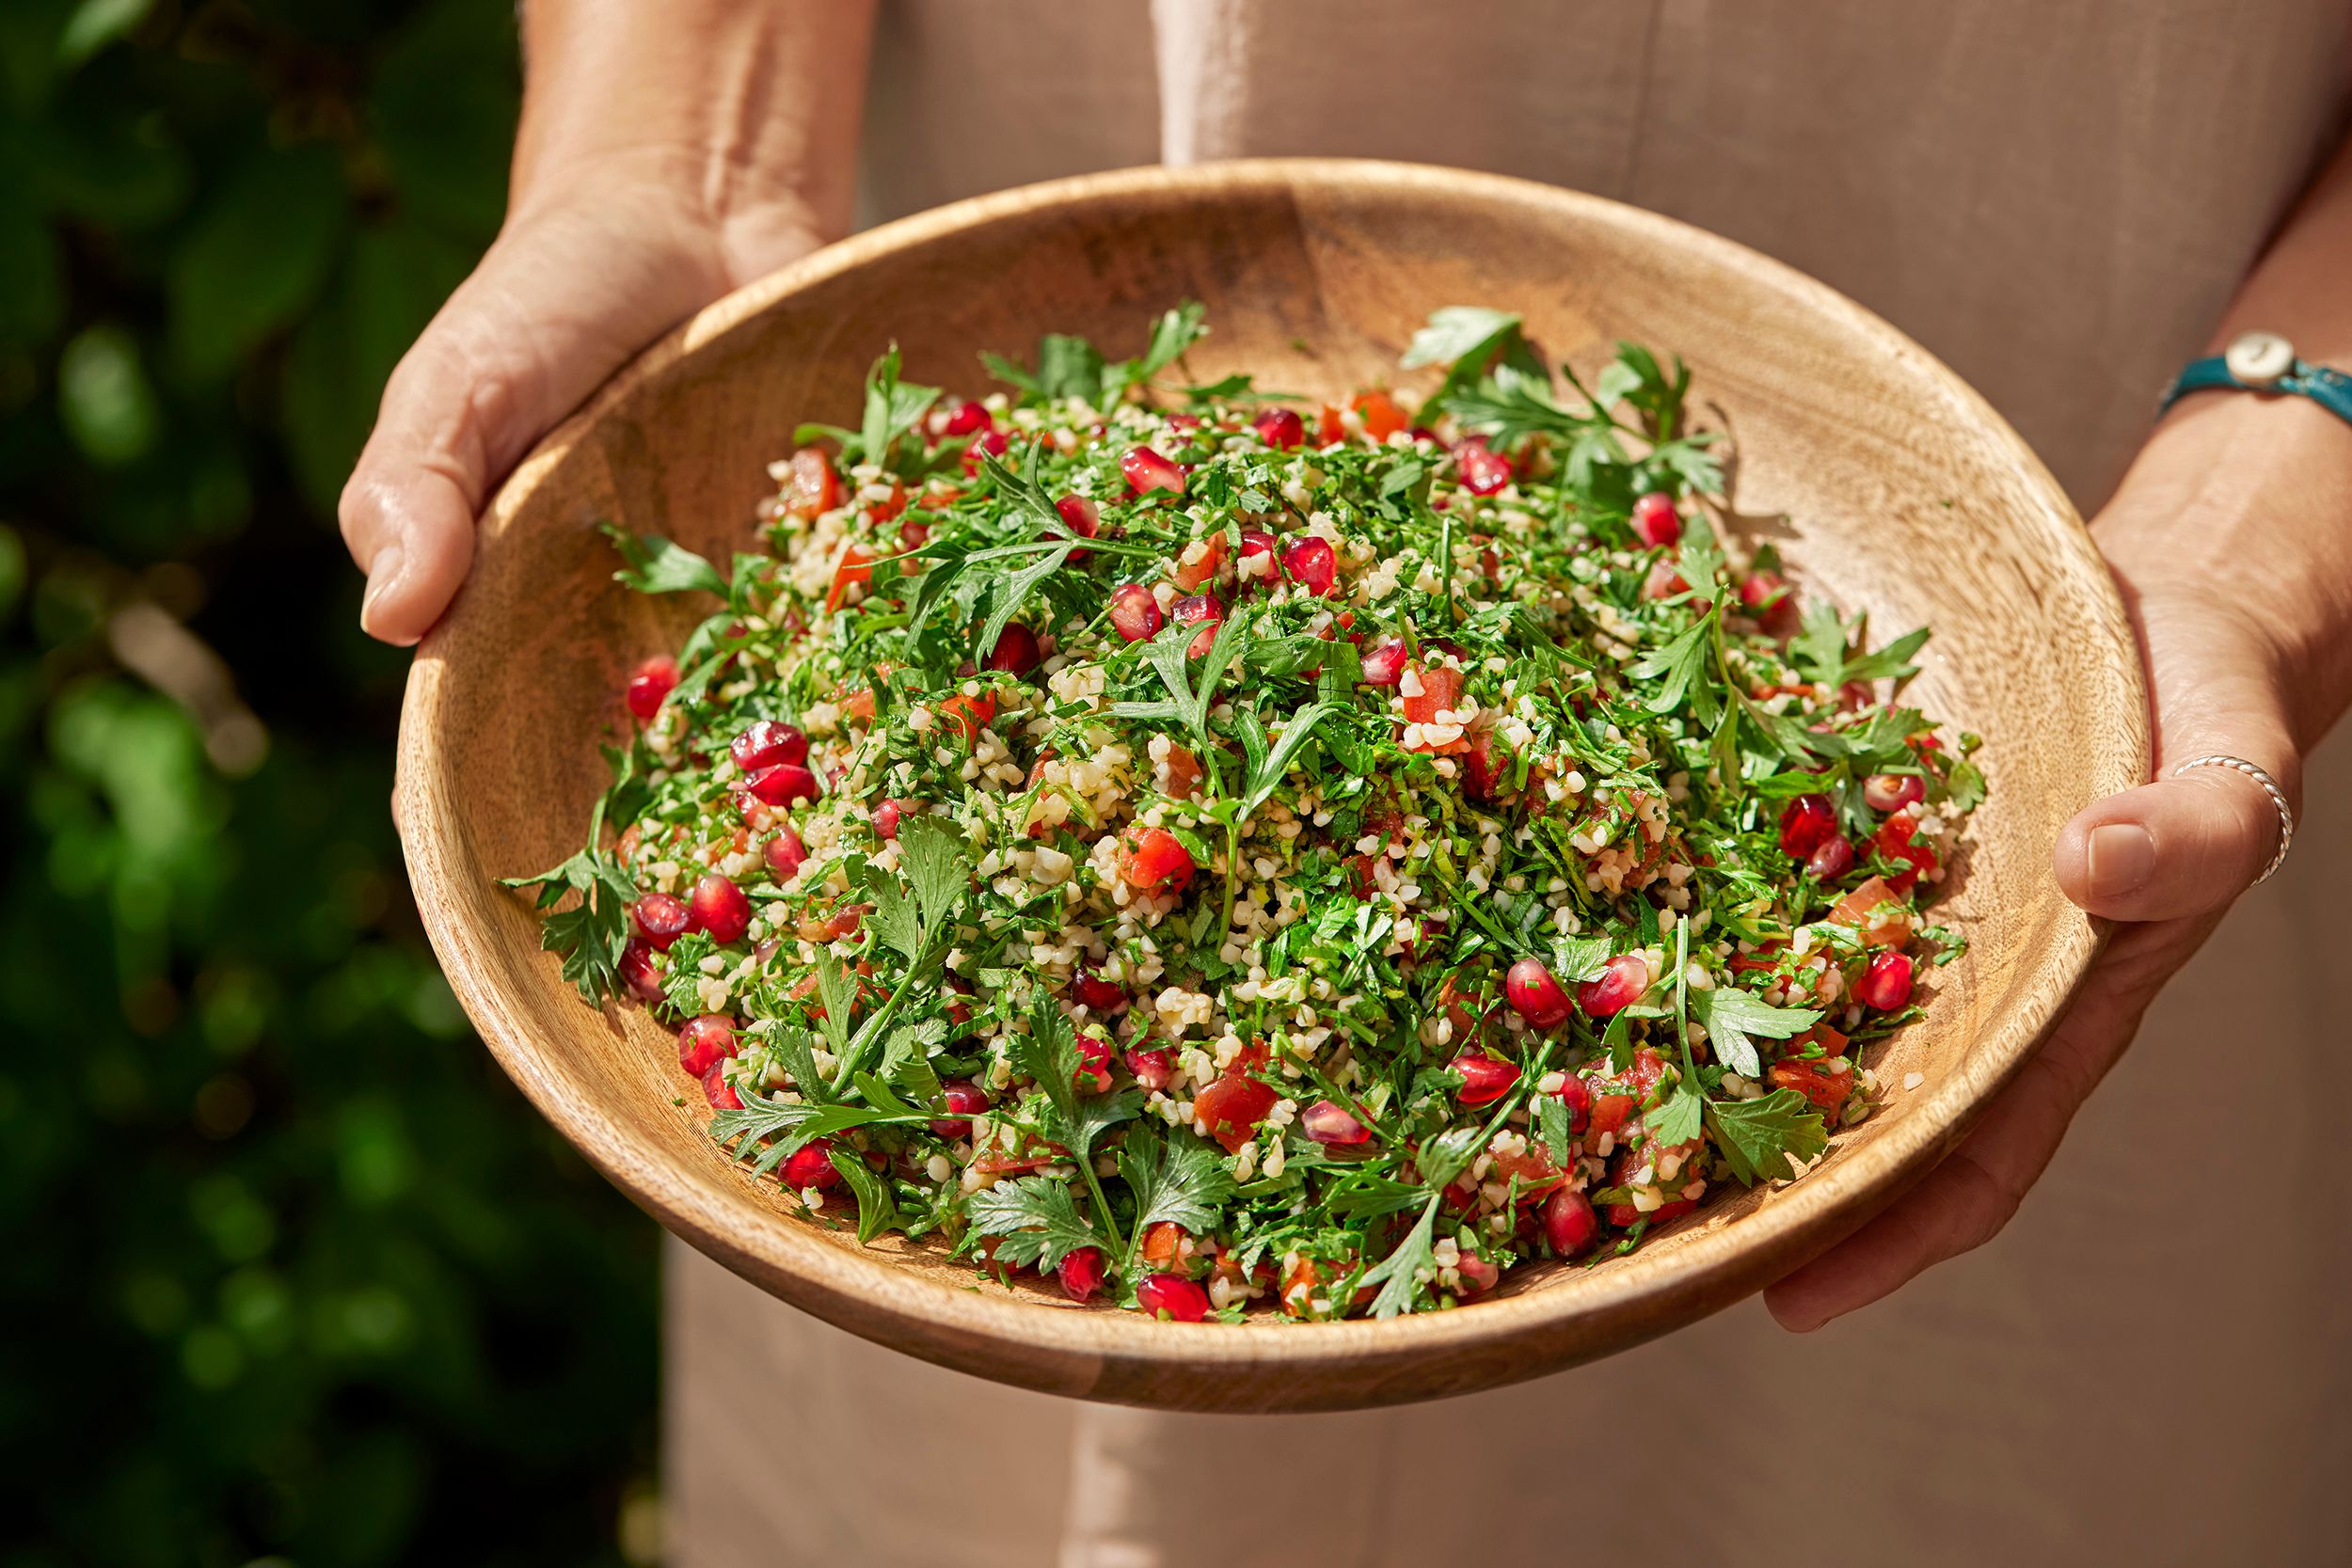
x=1903, y=492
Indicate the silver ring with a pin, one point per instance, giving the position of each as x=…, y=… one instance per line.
x=2270, y=787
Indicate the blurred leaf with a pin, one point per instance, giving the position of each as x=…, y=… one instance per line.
x=395, y=277
x=442, y=109
x=96, y=24
x=29, y=31
x=32, y=299
x=255, y=256
x=92, y=160
x=104, y=395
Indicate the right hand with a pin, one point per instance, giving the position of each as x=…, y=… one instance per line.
x=589, y=268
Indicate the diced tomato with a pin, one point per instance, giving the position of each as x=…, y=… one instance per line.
x=1329, y=431
x=969, y=714
x=1827, y=1082
x=1441, y=690
x=1894, y=841
x=1624, y=1215
x=1381, y=416
x=1861, y=908
x=1169, y=1248
x=1191, y=574
x=1533, y=1171
x=859, y=705
x=812, y=488
x=1155, y=860
x=1232, y=1107
x=1616, y=1099
x=1183, y=770
x=855, y=569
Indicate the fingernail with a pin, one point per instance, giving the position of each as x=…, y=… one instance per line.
x=2122, y=857
x=382, y=574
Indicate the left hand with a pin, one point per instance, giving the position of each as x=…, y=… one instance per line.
x=2169, y=857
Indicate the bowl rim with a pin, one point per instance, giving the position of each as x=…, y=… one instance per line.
x=1122, y=1355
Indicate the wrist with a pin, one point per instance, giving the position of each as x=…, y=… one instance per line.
x=2242, y=506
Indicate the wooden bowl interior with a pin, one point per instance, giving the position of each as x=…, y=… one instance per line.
x=1885, y=481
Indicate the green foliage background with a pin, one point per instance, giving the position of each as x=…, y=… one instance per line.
x=286, y=1270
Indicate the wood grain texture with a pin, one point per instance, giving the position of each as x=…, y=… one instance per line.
x=1903, y=492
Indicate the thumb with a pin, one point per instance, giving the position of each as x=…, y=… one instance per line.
x=558, y=303
x=2193, y=840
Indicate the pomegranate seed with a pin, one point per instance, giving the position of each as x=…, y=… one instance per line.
x=914, y=534
x=784, y=852
x=1154, y=1069
x=886, y=820
x=1016, y=651
x=719, y=1091
x=1104, y=996
x=1885, y=984
x=1766, y=595
x=1081, y=1272
x=967, y=416
x=1257, y=554
x=1385, y=664
x=1833, y=860
x=1577, y=1096
x=991, y=441
x=703, y=1042
x=1173, y=1297
x=1534, y=994
x=1094, y=1064
x=1484, y=471
x=661, y=918
x=720, y=908
x=1084, y=519
x=1134, y=613
x=649, y=683
x=1569, y=1223
x=1147, y=471
x=1310, y=564
x=1806, y=823
x=1484, y=1079
x=1892, y=791
x=1616, y=988
x=1664, y=581
x=766, y=744
x=1479, y=1275
x=811, y=1165
x=1656, y=520
x=781, y=784
x=1203, y=611
x=1280, y=428
x=639, y=971
x=965, y=1098
x=1329, y=1122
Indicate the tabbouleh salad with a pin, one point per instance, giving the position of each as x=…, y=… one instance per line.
x=1208, y=848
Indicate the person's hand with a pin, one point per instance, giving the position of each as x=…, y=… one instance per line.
x=2169, y=858
x=575, y=284
x=667, y=154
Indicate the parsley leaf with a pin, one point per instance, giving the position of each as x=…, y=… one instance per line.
x=652, y=564
x=1398, y=1274
x=1756, y=1138
x=1677, y=1119
x=892, y=409
x=877, y=1212
x=1732, y=1016
x=1175, y=1177
x=1035, y=1219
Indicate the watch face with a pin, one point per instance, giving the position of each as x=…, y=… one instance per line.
x=2259, y=358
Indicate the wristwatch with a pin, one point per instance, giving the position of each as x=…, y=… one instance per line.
x=2264, y=362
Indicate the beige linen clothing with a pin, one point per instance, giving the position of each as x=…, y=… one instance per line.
x=2152, y=1365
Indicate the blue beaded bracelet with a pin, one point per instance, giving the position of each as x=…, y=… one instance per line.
x=2264, y=362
